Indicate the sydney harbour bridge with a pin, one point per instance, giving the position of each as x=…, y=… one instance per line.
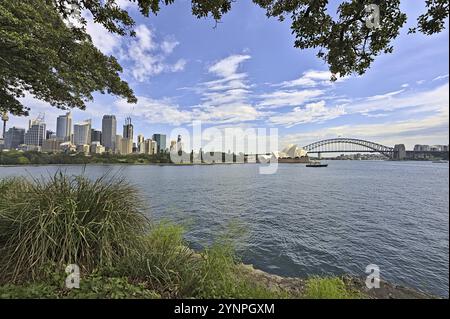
x=349, y=145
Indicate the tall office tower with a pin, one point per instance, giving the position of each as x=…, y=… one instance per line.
x=14, y=137
x=160, y=140
x=36, y=132
x=82, y=133
x=109, y=128
x=140, y=143
x=64, y=127
x=128, y=129
x=96, y=136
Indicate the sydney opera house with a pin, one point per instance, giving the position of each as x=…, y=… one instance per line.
x=292, y=154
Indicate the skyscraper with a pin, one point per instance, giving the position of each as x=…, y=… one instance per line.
x=36, y=132
x=82, y=133
x=64, y=127
x=14, y=137
x=96, y=136
x=109, y=128
x=160, y=140
x=128, y=129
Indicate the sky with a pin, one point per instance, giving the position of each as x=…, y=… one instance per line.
x=245, y=73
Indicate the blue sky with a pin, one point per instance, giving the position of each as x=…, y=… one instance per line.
x=245, y=73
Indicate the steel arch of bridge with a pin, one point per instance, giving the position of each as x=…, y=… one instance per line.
x=347, y=145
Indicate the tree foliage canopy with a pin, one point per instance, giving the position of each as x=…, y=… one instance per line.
x=56, y=62
x=43, y=55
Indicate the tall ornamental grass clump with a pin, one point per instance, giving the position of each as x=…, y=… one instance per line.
x=67, y=219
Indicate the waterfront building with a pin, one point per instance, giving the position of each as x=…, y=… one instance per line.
x=109, y=127
x=96, y=136
x=67, y=147
x=64, y=127
x=160, y=140
x=83, y=148
x=124, y=146
x=421, y=148
x=96, y=148
x=51, y=145
x=35, y=134
x=14, y=137
x=82, y=133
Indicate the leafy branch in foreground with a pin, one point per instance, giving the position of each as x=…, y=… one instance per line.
x=43, y=55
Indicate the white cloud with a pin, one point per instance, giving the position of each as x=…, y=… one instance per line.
x=283, y=98
x=228, y=67
x=311, y=78
x=311, y=113
x=384, y=96
x=431, y=100
x=169, y=45
x=105, y=41
x=146, y=57
x=441, y=77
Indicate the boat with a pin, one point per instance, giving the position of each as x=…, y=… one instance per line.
x=316, y=164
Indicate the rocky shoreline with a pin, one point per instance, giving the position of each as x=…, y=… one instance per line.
x=296, y=286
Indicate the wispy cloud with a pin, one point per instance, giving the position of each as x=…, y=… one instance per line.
x=441, y=77
x=144, y=55
x=310, y=113
x=283, y=98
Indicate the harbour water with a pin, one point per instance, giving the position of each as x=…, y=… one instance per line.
x=302, y=221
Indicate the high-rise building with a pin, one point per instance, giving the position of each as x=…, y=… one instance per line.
x=109, y=128
x=36, y=132
x=96, y=136
x=64, y=127
x=82, y=133
x=14, y=137
x=160, y=140
x=140, y=143
x=128, y=129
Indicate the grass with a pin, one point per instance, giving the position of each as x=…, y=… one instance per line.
x=65, y=220
x=48, y=223
x=329, y=288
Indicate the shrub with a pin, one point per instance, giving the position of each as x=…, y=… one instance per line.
x=64, y=220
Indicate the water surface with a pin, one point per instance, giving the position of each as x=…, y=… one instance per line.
x=303, y=221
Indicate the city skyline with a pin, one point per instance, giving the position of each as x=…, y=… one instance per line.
x=403, y=98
